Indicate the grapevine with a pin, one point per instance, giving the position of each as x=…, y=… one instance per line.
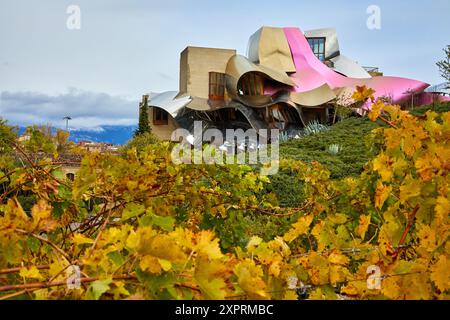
x=134, y=224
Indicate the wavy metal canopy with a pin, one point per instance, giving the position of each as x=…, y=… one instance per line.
x=169, y=101
x=312, y=73
x=268, y=47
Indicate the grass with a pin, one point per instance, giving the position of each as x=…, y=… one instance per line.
x=439, y=108
x=350, y=134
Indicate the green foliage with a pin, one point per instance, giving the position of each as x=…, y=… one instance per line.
x=139, y=142
x=438, y=108
x=143, y=125
x=334, y=149
x=286, y=188
x=139, y=226
x=61, y=141
x=314, y=127
x=352, y=134
x=39, y=140
x=7, y=134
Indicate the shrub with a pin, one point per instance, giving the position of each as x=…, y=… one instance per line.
x=334, y=149
x=354, y=138
x=314, y=127
x=139, y=142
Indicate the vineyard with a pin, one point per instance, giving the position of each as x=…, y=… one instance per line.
x=138, y=226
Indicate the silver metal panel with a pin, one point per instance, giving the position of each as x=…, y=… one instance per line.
x=349, y=68
x=169, y=102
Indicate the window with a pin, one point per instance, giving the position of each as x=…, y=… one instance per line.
x=318, y=47
x=251, y=84
x=160, y=117
x=216, y=86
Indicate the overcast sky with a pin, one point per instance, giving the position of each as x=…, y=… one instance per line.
x=127, y=48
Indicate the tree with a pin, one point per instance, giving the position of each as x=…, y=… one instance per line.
x=444, y=66
x=143, y=125
x=61, y=139
x=7, y=135
x=139, y=142
x=39, y=139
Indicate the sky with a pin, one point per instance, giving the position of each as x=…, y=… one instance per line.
x=123, y=49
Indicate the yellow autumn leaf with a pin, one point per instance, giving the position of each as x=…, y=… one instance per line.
x=165, y=264
x=280, y=246
x=442, y=209
x=213, y=289
x=253, y=243
x=132, y=241
x=338, y=274
x=150, y=264
x=338, y=258
x=299, y=228
x=409, y=189
x=208, y=244
x=319, y=269
x=290, y=295
x=391, y=140
x=79, y=239
x=440, y=273
x=119, y=290
x=363, y=93
x=250, y=279
x=275, y=268
x=364, y=222
x=31, y=272
x=375, y=110
x=209, y=276
x=427, y=237
x=381, y=194
x=390, y=288
x=424, y=167
x=338, y=218
x=42, y=217
x=350, y=290
x=383, y=165
x=323, y=235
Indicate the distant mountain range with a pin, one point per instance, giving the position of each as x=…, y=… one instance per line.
x=107, y=134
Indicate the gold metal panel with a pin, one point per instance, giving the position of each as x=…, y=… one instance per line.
x=315, y=97
x=269, y=47
x=237, y=67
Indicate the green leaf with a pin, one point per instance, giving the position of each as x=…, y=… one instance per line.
x=33, y=243
x=97, y=289
x=58, y=174
x=165, y=223
x=132, y=210
x=116, y=257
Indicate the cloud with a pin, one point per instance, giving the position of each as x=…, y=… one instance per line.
x=87, y=109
